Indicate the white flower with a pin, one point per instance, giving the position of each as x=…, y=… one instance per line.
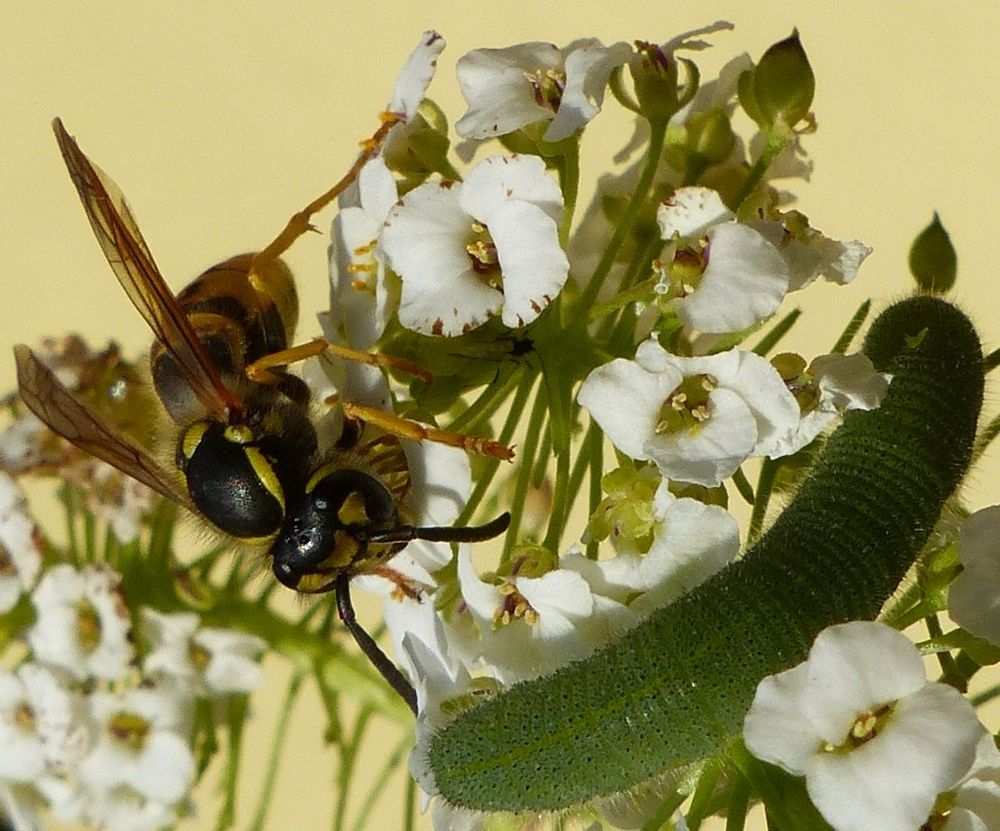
x=876, y=742
x=117, y=499
x=691, y=541
x=528, y=625
x=975, y=802
x=20, y=545
x=487, y=246
x=140, y=745
x=974, y=597
x=729, y=277
x=697, y=419
x=123, y=808
x=83, y=622
x=507, y=89
x=809, y=254
x=835, y=384
x=206, y=661
x=361, y=300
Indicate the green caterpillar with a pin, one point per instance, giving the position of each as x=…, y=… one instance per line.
x=676, y=688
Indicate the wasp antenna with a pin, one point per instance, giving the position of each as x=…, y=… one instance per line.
x=446, y=533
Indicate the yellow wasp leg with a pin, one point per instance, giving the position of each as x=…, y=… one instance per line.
x=299, y=223
x=408, y=429
x=260, y=370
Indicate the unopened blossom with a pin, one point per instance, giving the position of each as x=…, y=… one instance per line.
x=20, y=545
x=204, y=660
x=507, y=89
x=974, y=597
x=141, y=744
x=874, y=739
x=698, y=418
x=468, y=251
x=82, y=623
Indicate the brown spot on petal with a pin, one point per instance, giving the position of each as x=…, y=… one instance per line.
x=437, y=327
x=446, y=184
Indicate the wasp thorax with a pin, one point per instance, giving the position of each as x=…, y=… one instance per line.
x=330, y=527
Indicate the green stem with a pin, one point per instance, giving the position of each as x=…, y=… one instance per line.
x=236, y=713
x=569, y=182
x=777, y=332
x=625, y=223
x=739, y=802
x=533, y=432
x=490, y=466
x=991, y=361
x=378, y=784
x=281, y=734
x=560, y=503
x=949, y=671
x=703, y=793
x=853, y=325
x=348, y=756
x=775, y=144
x=640, y=291
x=410, y=805
x=986, y=696
x=486, y=403
x=765, y=485
x=985, y=438
x=743, y=486
x=596, y=470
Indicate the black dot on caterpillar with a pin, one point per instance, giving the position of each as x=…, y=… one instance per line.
x=675, y=689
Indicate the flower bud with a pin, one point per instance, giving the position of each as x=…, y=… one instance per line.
x=779, y=90
x=933, y=262
x=655, y=78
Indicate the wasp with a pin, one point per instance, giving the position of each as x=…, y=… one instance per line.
x=247, y=456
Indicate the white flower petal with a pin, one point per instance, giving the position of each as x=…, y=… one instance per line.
x=588, y=64
x=416, y=75
x=606, y=387
x=744, y=282
x=691, y=211
x=500, y=98
x=974, y=597
x=495, y=181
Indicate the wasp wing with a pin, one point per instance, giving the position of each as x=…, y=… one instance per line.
x=130, y=259
x=48, y=399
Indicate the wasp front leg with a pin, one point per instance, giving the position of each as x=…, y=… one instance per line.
x=261, y=370
x=407, y=429
x=300, y=222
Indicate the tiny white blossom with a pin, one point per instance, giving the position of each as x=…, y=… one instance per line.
x=119, y=500
x=528, y=625
x=83, y=622
x=140, y=745
x=697, y=419
x=361, y=298
x=210, y=661
x=20, y=545
x=468, y=251
x=839, y=383
x=809, y=254
x=730, y=277
x=691, y=541
x=123, y=808
x=975, y=801
x=876, y=742
x=974, y=597
x=509, y=88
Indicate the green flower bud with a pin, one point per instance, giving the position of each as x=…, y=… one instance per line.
x=778, y=92
x=933, y=262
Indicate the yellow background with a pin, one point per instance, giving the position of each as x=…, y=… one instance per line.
x=218, y=120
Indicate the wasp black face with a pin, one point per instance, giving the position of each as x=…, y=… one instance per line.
x=331, y=526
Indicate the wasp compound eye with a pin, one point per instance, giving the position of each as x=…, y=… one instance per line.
x=231, y=482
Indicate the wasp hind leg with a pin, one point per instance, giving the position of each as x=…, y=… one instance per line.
x=262, y=370
x=300, y=222
x=407, y=429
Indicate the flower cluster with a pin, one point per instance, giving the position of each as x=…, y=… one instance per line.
x=554, y=329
